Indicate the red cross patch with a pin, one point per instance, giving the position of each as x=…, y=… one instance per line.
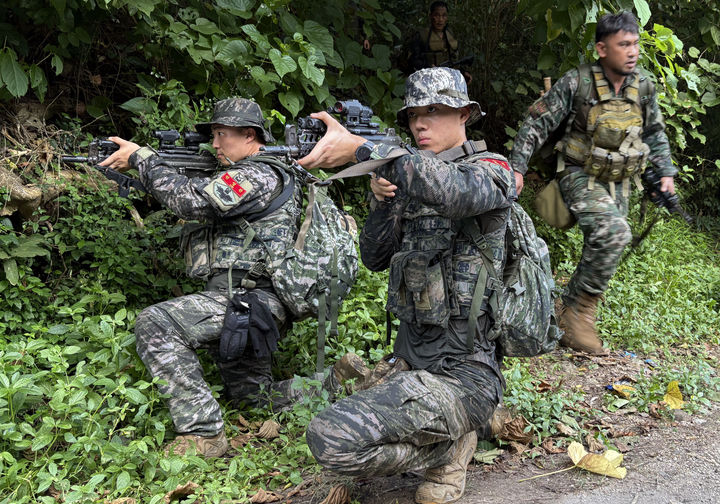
x=500, y=162
x=237, y=189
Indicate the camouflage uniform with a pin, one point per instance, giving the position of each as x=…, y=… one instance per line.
x=601, y=217
x=169, y=333
x=413, y=420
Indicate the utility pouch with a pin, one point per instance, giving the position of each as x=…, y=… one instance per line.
x=195, y=243
x=418, y=289
x=550, y=205
x=235, y=329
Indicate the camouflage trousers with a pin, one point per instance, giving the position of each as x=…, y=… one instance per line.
x=606, y=232
x=411, y=422
x=167, y=336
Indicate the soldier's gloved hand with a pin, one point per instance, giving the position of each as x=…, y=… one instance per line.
x=336, y=148
x=118, y=160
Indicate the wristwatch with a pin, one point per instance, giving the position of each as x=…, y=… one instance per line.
x=363, y=152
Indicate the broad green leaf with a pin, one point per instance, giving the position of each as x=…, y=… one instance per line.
x=381, y=54
x=292, y=101
x=135, y=396
x=376, y=89
x=282, y=62
x=38, y=81
x=241, y=8
x=547, y=58
x=11, y=271
x=139, y=105
x=260, y=40
x=205, y=26
x=58, y=329
x=715, y=34
x=643, y=10
x=123, y=481
x=693, y=52
x=288, y=22
x=264, y=79
x=319, y=36
x=71, y=350
x=310, y=71
x=14, y=77
x=234, y=51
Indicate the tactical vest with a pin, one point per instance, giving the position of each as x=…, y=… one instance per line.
x=436, y=50
x=233, y=244
x=604, y=135
x=433, y=276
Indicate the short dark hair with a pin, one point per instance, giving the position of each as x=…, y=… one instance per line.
x=610, y=24
x=437, y=4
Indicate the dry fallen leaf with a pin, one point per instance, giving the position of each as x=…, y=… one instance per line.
x=269, y=430
x=181, y=491
x=123, y=500
x=593, y=444
x=263, y=496
x=241, y=440
x=549, y=446
x=607, y=464
x=564, y=429
x=624, y=391
x=514, y=430
x=673, y=397
x=338, y=495
x=242, y=422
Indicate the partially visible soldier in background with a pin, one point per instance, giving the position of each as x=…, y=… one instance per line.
x=435, y=45
x=229, y=255
x=611, y=126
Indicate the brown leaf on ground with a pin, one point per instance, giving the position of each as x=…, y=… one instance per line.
x=241, y=440
x=338, y=495
x=517, y=447
x=242, y=423
x=543, y=386
x=122, y=500
x=263, y=496
x=269, y=430
x=514, y=430
x=181, y=491
x=549, y=446
x=565, y=429
x=593, y=444
x=298, y=489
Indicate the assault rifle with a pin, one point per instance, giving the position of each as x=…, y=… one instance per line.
x=300, y=138
x=467, y=60
x=187, y=159
x=663, y=199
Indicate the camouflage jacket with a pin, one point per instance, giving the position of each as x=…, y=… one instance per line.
x=549, y=112
x=433, y=266
x=221, y=237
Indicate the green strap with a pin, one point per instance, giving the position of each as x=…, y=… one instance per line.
x=334, y=295
x=322, y=318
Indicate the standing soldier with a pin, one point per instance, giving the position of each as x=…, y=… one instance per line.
x=612, y=127
x=426, y=417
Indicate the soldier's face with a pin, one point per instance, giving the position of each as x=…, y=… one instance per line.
x=439, y=18
x=232, y=144
x=619, y=52
x=438, y=127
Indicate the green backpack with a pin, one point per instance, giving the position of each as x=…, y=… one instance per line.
x=521, y=298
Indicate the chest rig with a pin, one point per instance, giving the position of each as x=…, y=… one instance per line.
x=604, y=137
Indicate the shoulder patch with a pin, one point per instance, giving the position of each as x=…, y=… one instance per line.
x=225, y=191
x=500, y=162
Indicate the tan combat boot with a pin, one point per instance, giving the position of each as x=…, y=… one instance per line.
x=351, y=366
x=209, y=447
x=447, y=483
x=578, y=322
x=499, y=418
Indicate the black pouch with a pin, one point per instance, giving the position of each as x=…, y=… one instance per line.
x=234, y=333
x=248, y=319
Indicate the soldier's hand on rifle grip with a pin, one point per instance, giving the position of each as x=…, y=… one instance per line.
x=118, y=160
x=336, y=148
x=667, y=184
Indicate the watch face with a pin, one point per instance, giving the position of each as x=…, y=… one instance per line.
x=363, y=153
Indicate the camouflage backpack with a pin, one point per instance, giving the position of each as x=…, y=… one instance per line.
x=317, y=273
x=520, y=299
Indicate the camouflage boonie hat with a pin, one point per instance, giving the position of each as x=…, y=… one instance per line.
x=239, y=112
x=442, y=85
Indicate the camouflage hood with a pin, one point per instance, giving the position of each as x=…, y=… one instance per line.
x=442, y=85
x=238, y=112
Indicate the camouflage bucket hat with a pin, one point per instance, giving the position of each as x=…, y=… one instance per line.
x=442, y=85
x=239, y=112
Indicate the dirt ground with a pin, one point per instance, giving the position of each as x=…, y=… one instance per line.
x=668, y=460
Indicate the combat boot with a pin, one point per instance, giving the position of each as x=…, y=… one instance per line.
x=578, y=322
x=447, y=483
x=350, y=366
x=209, y=447
x=499, y=418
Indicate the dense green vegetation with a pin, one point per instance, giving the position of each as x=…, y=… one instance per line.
x=81, y=420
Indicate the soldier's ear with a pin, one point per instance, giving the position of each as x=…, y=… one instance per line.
x=601, y=48
x=464, y=113
x=251, y=134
